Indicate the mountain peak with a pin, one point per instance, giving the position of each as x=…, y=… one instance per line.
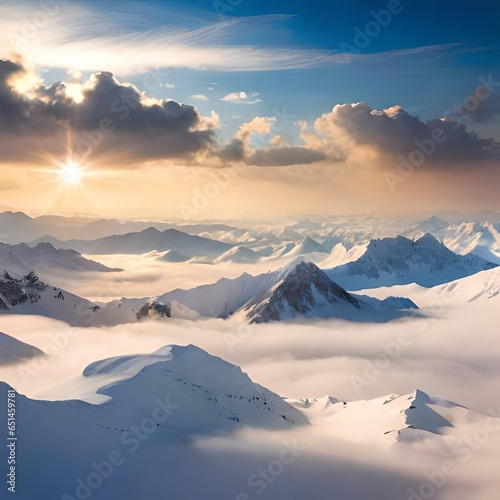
x=307, y=245
x=398, y=261
x=429, y=239
x=304, y=287
x=150, y=230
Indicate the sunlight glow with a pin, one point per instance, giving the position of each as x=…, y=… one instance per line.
x=75, y=92
x=70, y=173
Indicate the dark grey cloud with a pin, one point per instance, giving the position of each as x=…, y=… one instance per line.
x=19, y=114
x=234, y=151
x=483, y=111
x=283, y=156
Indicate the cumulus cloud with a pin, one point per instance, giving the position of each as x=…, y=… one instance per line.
x=393, y=132
x=240, y=147
x=101, y=116
x=257, y=144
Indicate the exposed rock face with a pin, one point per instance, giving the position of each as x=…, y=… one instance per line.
x=303, y=289
x=15, y=291
x=154, y=309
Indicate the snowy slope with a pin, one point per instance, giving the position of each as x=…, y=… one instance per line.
x=226, y=296
x=387, y=420
x=170, y=397
x=486, y=253
x=21, y=259
x=483, y=286
x=307, y=245
x=172, y=256
x=13, y=350
x=463, y=238
x=28, y=295
x=145, y=407
x=398, y=261
x=146, y=414
x=239, y=254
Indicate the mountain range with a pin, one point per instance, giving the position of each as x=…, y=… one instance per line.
x=43, y=259
x=299, y=290
x=399, y=261
x=131, y=417
x=185, y=245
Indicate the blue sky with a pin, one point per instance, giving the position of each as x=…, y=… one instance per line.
x=426, y=84
x=463, y=43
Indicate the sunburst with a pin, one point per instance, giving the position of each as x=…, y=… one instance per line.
x=71, y=173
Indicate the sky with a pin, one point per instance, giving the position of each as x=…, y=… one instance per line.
x=239, y=108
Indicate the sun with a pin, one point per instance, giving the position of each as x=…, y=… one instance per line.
x=70, y=173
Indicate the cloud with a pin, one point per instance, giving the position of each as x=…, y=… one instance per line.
x=283, y=156
x=260, y=125
x=107, y=117
x=240, y=147
x=240, y=98
x=256, y=145
x=199, y=97
x=357, y=134
x=393, y=132
x=482, y=111
x=77, y=34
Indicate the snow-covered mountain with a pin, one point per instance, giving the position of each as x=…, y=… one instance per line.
x=217, y=300
x=240, y=255
x=478, y=238
x=173, y=256
x=307, y=245
x=28, y=295
x=399, y=261
x=127, y=420
x=13, y=350
x=298, y=290
x=387, y=420
x=306, y=291
x=44, y=258
x=480, y=287
x=175, y=394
